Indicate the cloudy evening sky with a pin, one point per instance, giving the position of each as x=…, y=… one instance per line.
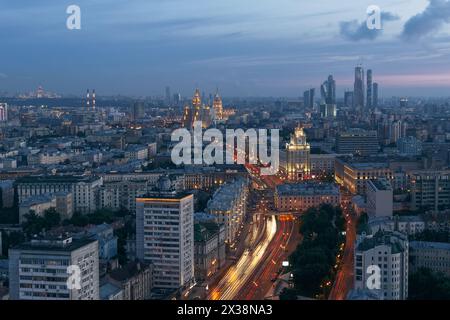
x=245, y=47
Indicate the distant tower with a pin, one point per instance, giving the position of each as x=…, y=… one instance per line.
x=168, y=97
x=218, y=106
x=93, y=99
x=369, y=102
x=3, y=112
x=375, y=95
x=358, y=92
x=348, y=99
x=88, y=98
x=196, y=112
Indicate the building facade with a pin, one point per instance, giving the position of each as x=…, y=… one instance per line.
x=229, y=206
x=430, y=189
x=380, y=198
x=386, y=252
x=84, y=189
x=39, y=270
x=358, y=142
x=302, y=196
x=432, y=255
x=165, y=238
x=298, y=157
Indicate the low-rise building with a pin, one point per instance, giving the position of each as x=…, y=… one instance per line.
x=302, y=196
x=209, y=249
x=135, y=281
x=84, y=189
x=36, y=204
x=432, y=255
x=354, y=173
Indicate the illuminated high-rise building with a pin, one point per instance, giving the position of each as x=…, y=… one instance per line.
x=196, y=112
x=298, y=156
x=93, y=99
x=218, y=106
x=88, y=100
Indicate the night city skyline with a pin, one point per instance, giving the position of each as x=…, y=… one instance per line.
x=255, y=48
x=222, y=158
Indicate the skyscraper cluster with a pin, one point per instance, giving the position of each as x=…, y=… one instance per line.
x=364, y=99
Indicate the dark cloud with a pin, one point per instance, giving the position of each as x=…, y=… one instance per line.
x=357, y=31
x=436, y=14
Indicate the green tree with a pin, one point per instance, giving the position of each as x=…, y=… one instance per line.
x=428, y=285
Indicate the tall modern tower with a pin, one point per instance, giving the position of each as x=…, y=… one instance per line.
x=358, y=92
x=375, y=95
x=369, y=103
x=168, y=97
x=328, y=91
x=308, y=98
x=348, y=99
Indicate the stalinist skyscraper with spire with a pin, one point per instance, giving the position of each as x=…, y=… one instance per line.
x=298, y=156
x=218, y=107
x=196, y=112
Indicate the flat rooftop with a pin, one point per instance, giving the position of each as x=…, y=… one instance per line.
x=54, y=244
x=308, y=188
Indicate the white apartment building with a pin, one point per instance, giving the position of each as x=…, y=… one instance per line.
x=165, y=238
x=38, y=270
x=387, y=252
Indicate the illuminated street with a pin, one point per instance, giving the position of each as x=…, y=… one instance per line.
x=265, y=275
x=344, y=278
x=237, y=276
